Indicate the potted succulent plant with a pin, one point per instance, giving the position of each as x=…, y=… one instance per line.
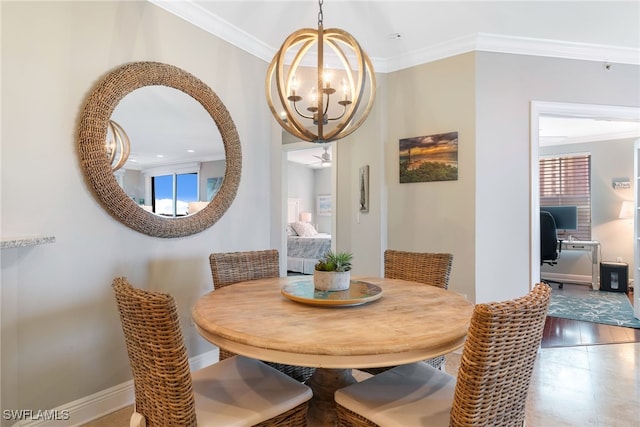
x=333, y=271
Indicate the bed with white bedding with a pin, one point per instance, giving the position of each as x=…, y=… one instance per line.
x=305, y=247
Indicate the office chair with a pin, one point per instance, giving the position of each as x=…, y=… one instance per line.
x=550, y=246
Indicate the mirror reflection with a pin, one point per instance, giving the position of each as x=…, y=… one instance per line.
x=177, y=161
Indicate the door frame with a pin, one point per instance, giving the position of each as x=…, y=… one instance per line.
x=293, y=146
x=562, y=109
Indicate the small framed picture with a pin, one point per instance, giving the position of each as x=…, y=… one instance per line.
x=363, y=185
x=324, y=205
x=213, y=186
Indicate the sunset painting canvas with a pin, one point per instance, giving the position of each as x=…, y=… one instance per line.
x=429, y=158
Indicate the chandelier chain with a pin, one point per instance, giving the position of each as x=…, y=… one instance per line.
x=320, y=16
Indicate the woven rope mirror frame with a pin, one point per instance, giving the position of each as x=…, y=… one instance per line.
x=92, y=135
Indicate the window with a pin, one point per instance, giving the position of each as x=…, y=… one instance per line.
x=171, y=194
x=566, y=181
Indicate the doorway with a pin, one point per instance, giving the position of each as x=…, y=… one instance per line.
x=538, y=109
x=308, y=193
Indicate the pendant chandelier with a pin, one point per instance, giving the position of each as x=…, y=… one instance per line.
x=118, y=146
x=323, y=94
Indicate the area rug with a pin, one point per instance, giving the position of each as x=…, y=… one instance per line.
x=609, y=308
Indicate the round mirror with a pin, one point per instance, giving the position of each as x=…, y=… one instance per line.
x=131, y=95
x=171, y=151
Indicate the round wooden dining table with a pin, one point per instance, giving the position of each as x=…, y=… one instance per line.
x=399, y=322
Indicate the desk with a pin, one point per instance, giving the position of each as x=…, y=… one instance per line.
x=410, y=322
x=592, y=246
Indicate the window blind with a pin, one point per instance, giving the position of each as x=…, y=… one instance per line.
x=566, y=181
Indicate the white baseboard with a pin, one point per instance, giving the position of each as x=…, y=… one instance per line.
x=567, y=278
x=203, y=360
x=104, y=402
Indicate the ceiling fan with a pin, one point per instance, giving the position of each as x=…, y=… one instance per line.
x=325, y=158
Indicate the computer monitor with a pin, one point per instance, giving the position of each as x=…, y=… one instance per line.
x=566, y=217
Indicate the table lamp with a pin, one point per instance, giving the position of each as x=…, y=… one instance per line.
x=626, y=210
x=305, y=216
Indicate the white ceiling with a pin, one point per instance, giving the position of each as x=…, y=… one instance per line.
x=568, y=130
x=310, y=157
x=400, y=34
x=166, y=126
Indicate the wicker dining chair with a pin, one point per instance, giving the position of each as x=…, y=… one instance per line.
x=492, y=383
x=238, y=391
x=228, y=268
x=424, y=267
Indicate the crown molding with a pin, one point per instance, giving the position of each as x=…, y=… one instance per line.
x=209, y=22
x=484, y=42
x=426, y=54
x=558, y=49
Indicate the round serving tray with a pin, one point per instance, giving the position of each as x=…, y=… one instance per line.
x=358, y=293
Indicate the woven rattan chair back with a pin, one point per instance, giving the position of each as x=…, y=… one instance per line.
x=228, y=268
x=233, y=267
x=498, y=359
x=495, y=368
x=424, y=267
x=158, y=356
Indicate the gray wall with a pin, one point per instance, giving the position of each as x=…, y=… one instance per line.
x=505, y=87
x=61, y=336
x=435, y=98
x=306, y=184
x=300, y=183
x=487, y=98
x=609, y=159
x=322, y=186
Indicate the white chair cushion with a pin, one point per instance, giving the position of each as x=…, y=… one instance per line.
x=239, y=391
x=137, y=420
x=408, y=395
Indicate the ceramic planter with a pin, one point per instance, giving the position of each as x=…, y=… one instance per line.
x=331, y=280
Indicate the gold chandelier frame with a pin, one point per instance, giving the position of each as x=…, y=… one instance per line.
x=119, y=145
x=358, y=75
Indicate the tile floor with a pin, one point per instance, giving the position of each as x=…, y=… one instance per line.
x=579, y=386
x=586, y=386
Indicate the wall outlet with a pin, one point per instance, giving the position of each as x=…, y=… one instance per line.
x=619, y=259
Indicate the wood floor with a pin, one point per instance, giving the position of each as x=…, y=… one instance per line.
x=560, y=332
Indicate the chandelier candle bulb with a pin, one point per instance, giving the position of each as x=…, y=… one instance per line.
x=327, y=78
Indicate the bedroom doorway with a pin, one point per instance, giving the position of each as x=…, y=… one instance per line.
x=308, y=190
